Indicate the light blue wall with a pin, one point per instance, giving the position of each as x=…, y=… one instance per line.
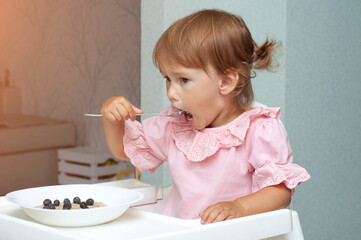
x=317, y=87
x=323, y=71
x=266, y=21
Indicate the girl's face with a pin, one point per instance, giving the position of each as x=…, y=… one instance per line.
x=195, y=91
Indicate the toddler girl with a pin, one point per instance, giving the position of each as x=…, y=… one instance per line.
x=227, y=159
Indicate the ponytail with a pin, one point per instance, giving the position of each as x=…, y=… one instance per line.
x=264, y=55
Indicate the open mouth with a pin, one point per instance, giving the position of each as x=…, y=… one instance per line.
x=187, y=115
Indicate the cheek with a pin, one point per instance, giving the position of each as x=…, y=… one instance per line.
x=201, y=104
x=206, y=101
x=200, y=120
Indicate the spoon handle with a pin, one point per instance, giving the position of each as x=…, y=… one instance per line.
x=144, y=114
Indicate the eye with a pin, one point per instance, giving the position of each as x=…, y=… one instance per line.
x=183, y=80
x=166, y=78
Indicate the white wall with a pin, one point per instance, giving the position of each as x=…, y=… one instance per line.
x=67, y=57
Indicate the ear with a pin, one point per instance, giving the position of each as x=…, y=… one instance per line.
x=228, y=82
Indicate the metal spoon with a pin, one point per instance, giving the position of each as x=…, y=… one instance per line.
x=176, y=114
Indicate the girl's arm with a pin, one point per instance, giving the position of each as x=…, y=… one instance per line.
x=114, y=134
x=270, y=149
x=115, y=111
x=267, y=199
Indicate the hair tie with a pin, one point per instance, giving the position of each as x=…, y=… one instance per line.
x=255, y=48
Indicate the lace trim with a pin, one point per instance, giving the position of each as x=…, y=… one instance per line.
x=136, y=148
x=273, y=174
x=198, y=145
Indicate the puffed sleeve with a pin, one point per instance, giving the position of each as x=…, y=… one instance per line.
x=147, y=144
x=271, y=157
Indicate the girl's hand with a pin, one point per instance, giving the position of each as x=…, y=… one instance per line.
x=222, y=211
x=117, y=109
x=267, y=199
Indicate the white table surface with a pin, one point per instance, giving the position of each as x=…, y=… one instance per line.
x=144, y=225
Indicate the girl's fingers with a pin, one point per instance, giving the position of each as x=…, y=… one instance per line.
x=221, y=216
x=137, y=110
x=213, y=216
x=129, y=111
x=216, y=213
x=217, y=216
x=110, y=117
x=123, y=113
x=209, y=215
x=119, y=109
x=113, y=114
x=118, y=112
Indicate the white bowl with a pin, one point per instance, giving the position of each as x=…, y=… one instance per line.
x=117, y=200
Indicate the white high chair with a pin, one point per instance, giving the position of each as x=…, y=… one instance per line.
x=294, y=234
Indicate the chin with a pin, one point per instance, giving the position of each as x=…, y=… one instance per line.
x=199, y=126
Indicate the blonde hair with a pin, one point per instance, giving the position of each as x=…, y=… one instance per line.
x=219, y=39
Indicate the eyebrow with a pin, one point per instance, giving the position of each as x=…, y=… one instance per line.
x=177, y=73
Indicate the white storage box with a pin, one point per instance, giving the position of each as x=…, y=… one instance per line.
x=88, y=165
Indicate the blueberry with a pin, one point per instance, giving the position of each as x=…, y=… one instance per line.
x=83, y=205
x=66, y=200
x=76, y=200
x=46, y=202
x=51, y=206
x=67, y=206
x=90, y=202
x=56, y=202
x=46, y=207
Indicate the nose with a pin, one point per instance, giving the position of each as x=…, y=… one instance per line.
x=171, y=93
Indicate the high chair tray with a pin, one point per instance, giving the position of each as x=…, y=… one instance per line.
x=151, y=193
x=143, y=225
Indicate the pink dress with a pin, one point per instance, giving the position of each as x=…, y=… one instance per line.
x=214, y=164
